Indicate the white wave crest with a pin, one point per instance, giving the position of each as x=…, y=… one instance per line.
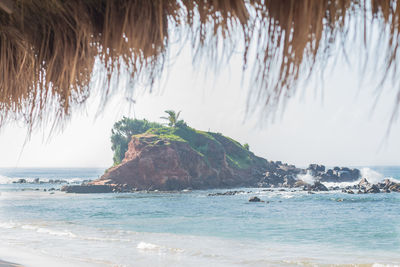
x=147, y=246
x=144, y=246
x=55, y=233
x=36, y=228
x=371, y=175
x=308, y=178
x=5, y=180
x=341, y=184
x=7, y=225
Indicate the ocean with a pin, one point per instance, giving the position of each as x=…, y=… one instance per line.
x=52, y=228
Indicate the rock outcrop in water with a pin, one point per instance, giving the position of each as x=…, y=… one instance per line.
x=87, y=188
x=183, y=158
x=336, y=175
x=317, y=186
x=179, y=158
x=279, y=174
x=365, y=187
x=191, y=159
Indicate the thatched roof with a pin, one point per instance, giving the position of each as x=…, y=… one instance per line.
x=48, y=48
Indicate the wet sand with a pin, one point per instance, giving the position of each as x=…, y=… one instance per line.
x=9, y=264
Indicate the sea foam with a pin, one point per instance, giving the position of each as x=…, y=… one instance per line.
x=5, y=180
x=308, y=178
x=147, y=246
x=371, y=175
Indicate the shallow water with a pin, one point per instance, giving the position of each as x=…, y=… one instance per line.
x=40, y=228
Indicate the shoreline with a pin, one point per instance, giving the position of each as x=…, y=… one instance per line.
x=9, y=264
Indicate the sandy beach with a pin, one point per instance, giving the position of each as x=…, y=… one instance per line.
x=8, y=264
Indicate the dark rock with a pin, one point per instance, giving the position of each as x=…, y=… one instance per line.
x=20, y=181
x=344, y=175
x=387, y=183
x=84, y=189
x=363, y=183
x=255, y=199
x=395, y=187
x=289, y=181
x=318, y=186
x=355, y=173
x=390, y=186
x=300, y=183
x=339, y=175
x=350, y=192
x=273, y=178
x=315, y=169
x=373, y=189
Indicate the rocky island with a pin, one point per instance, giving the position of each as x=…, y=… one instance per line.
x=177, y=158
x=150, y=156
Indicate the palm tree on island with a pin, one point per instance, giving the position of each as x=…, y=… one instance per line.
x=172, y=117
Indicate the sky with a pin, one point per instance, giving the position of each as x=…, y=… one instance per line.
x=332, y=124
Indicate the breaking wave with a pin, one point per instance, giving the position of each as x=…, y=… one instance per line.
x=147, y=246
x=38, y=229
x=308, y=178
x=371, y=175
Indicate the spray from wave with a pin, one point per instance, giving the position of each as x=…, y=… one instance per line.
x=308, y=178
x=5, y=180
x=371, y=175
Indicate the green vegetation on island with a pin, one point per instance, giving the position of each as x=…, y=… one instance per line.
x=211, y=146
x=122, y=133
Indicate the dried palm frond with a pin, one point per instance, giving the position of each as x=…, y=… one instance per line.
x=48, y=48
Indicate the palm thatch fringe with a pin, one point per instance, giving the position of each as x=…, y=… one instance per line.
x=48, y=48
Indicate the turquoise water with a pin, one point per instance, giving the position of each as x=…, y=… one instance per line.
x=39, y=228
